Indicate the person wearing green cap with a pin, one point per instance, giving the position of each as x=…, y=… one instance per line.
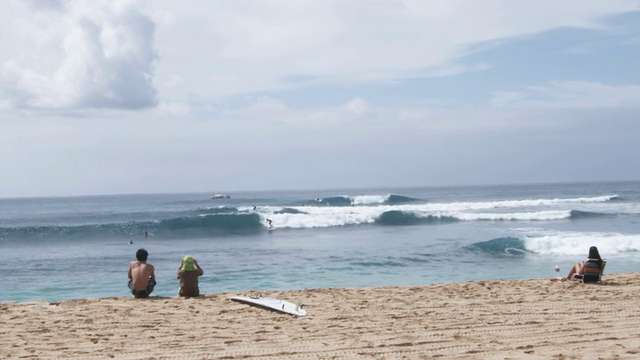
x=188, y=274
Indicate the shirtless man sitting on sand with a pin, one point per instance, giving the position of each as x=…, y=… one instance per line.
x=142, y=277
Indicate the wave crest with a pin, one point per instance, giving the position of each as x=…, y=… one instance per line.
x=508, y=246
x=202, y=225
x=364, y=200
x=395, y=217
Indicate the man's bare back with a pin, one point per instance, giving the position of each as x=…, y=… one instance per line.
x=142, y=276
x=139, y=273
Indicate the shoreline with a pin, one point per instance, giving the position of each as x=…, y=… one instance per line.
x=523, y=319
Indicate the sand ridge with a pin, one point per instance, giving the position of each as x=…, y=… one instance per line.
x=517, y=319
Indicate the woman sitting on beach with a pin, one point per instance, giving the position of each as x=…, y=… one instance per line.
x=188, y=273
x=578, y=268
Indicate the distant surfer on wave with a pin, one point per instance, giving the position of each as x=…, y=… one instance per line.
x=270, y=223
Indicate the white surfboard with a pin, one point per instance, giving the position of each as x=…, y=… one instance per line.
x=272, y=304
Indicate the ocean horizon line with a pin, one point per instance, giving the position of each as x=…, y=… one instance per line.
x=328, y=189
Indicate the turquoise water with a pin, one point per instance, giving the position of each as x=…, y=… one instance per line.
x=64, y=248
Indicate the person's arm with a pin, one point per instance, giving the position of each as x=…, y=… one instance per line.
x=180, y=268
x=129, y=272
x=200, y=271
x=153, y=272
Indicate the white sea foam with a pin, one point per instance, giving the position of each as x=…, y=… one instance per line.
x=328, y=216
x=578, y=243
x=318, y=217
x=503, y=204
x=527, y=210
x=524, y=216
x=368, y=199
x=520, y=203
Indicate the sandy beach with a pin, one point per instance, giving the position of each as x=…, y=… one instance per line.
x=524, y=319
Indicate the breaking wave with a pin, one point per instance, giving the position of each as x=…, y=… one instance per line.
x=553, y=243
x=508, y=246
x=395, y=217
x=362, y=200
x=379, y=210
x=180, y=227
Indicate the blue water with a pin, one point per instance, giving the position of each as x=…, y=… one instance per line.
x=76, y=247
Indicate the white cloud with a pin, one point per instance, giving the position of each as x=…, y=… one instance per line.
x=87, y=55
x=358, y=107
x=357, y=117
x=174, y=80
x=172, y=109
x=570, y=94
x=102, y=54
x=247, y=46
x=69, y=69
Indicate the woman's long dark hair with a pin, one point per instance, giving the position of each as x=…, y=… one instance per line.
x=595, y=255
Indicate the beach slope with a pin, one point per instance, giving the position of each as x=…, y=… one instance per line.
x=523, y=319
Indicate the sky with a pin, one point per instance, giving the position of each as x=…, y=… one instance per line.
x=119, y=97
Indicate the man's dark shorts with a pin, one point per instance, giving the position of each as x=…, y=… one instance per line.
x=143, y=293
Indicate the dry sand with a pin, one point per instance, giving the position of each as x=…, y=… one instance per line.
x=528, y=319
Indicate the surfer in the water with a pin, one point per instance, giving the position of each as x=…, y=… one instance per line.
x=270, y=223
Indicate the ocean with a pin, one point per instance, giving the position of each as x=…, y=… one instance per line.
x=61, y=248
